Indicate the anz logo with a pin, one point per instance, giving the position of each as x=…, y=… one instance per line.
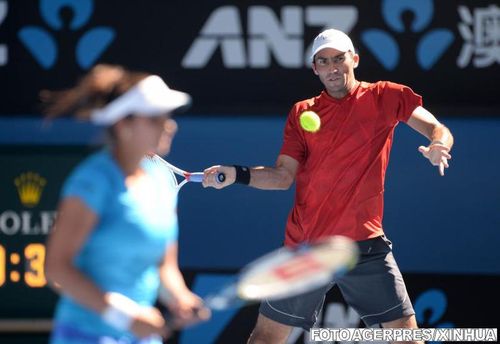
x=265, y=35
x=42, y=44
x=280, y=35
x=431, y=44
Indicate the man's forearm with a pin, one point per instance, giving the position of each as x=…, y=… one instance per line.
x=270, y=178
x=442, y=135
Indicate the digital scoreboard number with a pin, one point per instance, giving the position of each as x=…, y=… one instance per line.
x=32, y=262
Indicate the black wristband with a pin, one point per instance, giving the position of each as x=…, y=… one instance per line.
x=242, y=175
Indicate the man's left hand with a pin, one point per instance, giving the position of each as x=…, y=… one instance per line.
x=437, y=154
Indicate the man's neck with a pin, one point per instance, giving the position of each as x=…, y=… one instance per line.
x=338, y=94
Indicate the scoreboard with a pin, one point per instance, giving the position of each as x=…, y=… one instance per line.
x=30, y=181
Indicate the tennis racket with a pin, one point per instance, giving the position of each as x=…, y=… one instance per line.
x=196, y=177
x=287, y=272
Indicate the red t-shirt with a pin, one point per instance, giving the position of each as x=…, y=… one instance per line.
x=340, y=179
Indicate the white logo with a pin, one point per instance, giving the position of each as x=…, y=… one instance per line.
x=26, y=222
x=3, y=47
x=481, y=31
x=266, y=35
x=336, y=315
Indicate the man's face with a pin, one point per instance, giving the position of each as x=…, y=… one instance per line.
x=335, y=69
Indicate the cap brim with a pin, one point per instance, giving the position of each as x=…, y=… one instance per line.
x=329, y=45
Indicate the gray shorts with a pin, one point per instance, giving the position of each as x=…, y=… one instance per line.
x=374, y=289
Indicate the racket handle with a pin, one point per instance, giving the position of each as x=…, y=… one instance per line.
x=197, y=177
x=174, y=324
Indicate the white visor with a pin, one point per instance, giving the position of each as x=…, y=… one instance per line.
x=151, y=97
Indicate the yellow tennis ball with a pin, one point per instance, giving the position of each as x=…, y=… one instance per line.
x=310, y=121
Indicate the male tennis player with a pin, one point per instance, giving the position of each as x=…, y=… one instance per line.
x=339, y=173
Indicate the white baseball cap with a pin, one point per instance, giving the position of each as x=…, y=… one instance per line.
x=332, y=38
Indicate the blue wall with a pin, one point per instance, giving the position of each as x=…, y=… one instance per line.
x=438, y=224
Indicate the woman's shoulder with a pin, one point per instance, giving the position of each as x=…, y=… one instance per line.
x=99, y=160
x=96, y=167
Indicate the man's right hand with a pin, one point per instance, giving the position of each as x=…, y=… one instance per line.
x=210, y=176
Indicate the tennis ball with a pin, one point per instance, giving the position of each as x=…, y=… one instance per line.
x=310, y=121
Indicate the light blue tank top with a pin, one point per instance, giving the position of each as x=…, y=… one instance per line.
x=123, y=252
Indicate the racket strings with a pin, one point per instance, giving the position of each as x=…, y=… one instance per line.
x=172, y=179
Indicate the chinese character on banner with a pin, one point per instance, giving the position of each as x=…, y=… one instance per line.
x=480, y=30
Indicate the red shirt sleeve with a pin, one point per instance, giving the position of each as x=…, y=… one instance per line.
x=293, y=139
x=398, y=101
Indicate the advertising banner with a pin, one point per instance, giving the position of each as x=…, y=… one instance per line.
x=252, y=57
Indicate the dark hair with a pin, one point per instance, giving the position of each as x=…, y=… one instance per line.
x=98, y=87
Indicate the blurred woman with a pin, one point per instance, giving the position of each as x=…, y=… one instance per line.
x=114, y=242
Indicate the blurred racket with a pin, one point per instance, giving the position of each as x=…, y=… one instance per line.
x=287, y=272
